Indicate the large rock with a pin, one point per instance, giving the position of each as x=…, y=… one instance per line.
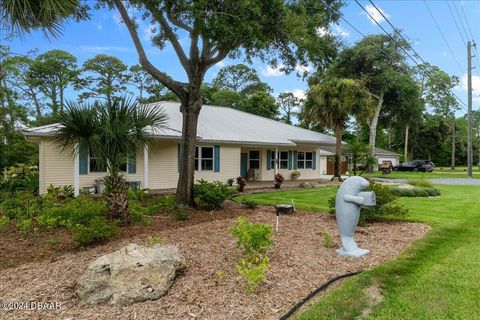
x=132, y=274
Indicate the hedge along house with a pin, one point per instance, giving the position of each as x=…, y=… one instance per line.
x=231, y=143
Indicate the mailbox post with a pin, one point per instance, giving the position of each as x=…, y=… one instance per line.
x=349, y=200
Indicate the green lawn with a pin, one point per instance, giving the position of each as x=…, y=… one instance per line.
x=420, y=175
x=438, y=277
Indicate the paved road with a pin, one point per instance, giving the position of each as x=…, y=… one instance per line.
x=447, y=181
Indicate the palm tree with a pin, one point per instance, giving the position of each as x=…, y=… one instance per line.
x=359, y=152
x=112, y=132
x=330, y=103
x=48, y=15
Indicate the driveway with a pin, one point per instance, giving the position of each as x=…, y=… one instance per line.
x=446, y=181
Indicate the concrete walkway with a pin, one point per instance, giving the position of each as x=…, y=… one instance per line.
x=444, y=181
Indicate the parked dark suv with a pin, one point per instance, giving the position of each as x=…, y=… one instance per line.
x=427, y=162
x=413, y=166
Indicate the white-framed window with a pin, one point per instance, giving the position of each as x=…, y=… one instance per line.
x=95, y=164
x=254, y=159
x=282, y=159
x=305, y=160
x=204, y=158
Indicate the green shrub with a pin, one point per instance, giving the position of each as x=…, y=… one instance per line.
x=327, y=240
x=77, y=211
x=59, y=193
x=97, y=230
x=181, y=215
x=137, y=194
x=24, y=225
x=211, y=195
x=166, y=203
x=249, y=204
x=421, y=183
x=253, y=238
x=416, y=192
x=3, y=222
x=386, y=205
x=253, y=271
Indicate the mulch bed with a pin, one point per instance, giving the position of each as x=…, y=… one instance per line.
x=300, y=263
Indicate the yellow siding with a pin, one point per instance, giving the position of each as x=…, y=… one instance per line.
x=305, y=174
x=57, y=166
x=163, y=165
x=88, y=180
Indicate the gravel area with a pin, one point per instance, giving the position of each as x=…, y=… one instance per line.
x=445, y=181
x=300, y=263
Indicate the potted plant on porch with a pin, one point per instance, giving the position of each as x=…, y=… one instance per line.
x=278, y=180
x=295, y=174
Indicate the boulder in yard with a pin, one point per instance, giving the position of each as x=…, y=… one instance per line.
x=131, y=274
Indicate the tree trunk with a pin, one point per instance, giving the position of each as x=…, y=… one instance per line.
x=405, y=150
x=38, y=109
x=61, y=100
x=452, y=127
x=373, y=128
x=338, y=152
x=190, y=112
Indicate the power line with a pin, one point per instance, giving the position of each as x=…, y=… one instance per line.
x=460, y=19
x=427, y=72
x=456, y=24
x=466, y=20
x=444, y=38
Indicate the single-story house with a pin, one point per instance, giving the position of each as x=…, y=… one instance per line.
x=231, y=143
x=386, y=155
x=380, y=155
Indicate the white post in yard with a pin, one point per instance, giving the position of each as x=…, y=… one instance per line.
x=76, y=173
x=145, y=166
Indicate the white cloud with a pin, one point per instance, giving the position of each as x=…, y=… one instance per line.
x=270, y=71
x=339, y=31
x=104, y=49
x=335, y=30
x=375, y=14
x=302, y=69
x=299, y=93
x=475, y=86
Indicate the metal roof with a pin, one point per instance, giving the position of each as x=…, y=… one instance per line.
x=226, y=125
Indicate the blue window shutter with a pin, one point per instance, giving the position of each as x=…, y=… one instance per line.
x=216, y=158
x=132, y=163
x=295, y=160
x=178, y=157
x=269, y=160
x=83, y=159
x=314, y=160
x=290, y=160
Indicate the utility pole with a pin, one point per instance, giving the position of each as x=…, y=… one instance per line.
x=469, y=115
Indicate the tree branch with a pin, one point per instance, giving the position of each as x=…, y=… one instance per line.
x=176, y=22
x=172, y=37
x=165, y=79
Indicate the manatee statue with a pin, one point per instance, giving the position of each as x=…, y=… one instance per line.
x=348, y=203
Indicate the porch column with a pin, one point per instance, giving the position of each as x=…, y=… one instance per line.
x=276, y=161
x=145, y=166
x=76, y=172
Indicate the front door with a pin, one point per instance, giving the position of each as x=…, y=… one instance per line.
x=243, y=165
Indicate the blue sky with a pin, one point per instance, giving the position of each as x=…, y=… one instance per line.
x=104, y=34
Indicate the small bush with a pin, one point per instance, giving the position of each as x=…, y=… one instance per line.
x=211, y=195
x=253, y=238
x=421, y=183
x=249, y=204
x=181, y=215
x=327, y=240
x=137, y=194
x=253, y=271
x=3, y=222
x=386, y=204
x=166, y=203
x=24, y=225
x=96, y=231
x=416, y=192
x=153, y=240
